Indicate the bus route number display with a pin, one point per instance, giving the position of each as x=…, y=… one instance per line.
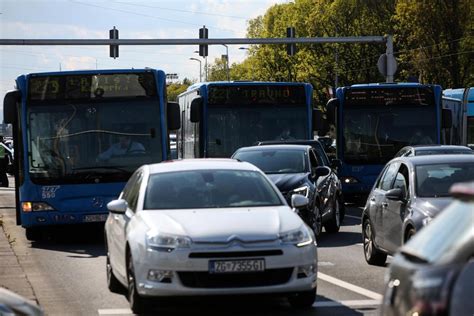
x=256, y=94
x=70, y=87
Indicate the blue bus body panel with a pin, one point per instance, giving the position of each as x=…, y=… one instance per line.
x=71, y=202
x=367, y=174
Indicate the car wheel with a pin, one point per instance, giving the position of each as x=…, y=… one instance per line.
x=316, y=221
x=33, y=233
x=303, y=299
x=113, y=283
x=137, y=303
x=371, y=253
x=334, y=224
x=410, y=233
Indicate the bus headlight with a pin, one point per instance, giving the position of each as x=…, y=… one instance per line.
x=36, y=207
x=349, y=180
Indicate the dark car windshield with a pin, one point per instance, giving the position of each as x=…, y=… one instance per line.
x=435, y=180
x=209, y=189
x=426, y=152
x=276, y=161
x=446, y=237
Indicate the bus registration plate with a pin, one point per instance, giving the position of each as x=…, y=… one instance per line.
x=95, y=218
x=235, y=266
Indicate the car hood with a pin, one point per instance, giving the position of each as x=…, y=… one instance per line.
x=288, y=181
x=222, y=225
x=432, y=206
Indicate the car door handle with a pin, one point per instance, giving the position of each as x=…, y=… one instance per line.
x=372, y=199
x=384, y=205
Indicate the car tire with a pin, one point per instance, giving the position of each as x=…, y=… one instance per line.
x=113, y=283
x=33, y=233
x=372, y=255
x=303, y=300
x=316, y=222
x=137, y=303
x=409, y=234
x=334, y=224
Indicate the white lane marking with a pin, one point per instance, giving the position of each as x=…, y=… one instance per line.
x=352, y=216
x=349, y=286
x=115, y=311
x=347, y=303
x=325, y=263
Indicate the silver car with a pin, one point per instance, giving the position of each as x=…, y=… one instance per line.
x=208, y=227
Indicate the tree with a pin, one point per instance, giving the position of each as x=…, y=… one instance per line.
x=174, y=89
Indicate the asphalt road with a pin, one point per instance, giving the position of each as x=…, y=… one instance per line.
x=67, y=272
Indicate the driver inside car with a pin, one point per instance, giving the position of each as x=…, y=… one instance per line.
x=124, y=146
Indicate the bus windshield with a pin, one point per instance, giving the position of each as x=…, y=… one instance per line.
x=241, y=115
x=377, y=124
x=91, y=142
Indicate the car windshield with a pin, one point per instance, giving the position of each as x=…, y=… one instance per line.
x=446, y=236
x=435, y=180
x=426, y=152
x=209, y=189
x=276, y=161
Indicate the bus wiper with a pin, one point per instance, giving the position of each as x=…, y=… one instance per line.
x=96, y=169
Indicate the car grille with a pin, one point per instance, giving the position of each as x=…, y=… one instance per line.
x=235, y=280
x=236, y=254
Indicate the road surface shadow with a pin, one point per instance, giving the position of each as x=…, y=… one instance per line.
x=83, y=241
x=340, y=239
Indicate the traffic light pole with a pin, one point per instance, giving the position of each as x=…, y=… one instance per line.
x=390, y=65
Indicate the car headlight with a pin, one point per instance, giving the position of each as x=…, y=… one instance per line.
x=304, y=191
x=300, y=237
x=167, y=242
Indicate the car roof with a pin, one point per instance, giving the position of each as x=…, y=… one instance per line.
x=435, y=159
x=274, y=147
x=200, y=164
x=290, y=142
x=441, y=147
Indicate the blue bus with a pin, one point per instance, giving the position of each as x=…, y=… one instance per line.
x=220, y=117
x=374, y=121
x=466, y=96
x=79, y=135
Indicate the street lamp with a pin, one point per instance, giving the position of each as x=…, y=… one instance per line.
x=227, y=61
x=200, y=67
x=205, y=65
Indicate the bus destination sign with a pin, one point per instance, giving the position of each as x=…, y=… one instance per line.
x=90, y=86
x=256, y=95
x=390, y=97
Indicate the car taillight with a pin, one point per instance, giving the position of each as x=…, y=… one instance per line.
x=430, y=290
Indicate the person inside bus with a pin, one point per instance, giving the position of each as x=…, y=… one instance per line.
x=420, y=139
x=285, y=133
x=123, y=147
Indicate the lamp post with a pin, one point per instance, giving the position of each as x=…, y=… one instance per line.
x=200, y=67
x=227, y=61
x=205, y=65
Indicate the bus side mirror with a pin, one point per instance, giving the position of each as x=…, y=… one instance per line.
x=12, y=98
x=196, y=110
x=174, y=118
x=319, y=123
x=447, y=118
x=331, y=108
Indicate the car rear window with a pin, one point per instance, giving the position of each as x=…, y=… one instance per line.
x=276, y=161
x=209, y=189
x=435, y=180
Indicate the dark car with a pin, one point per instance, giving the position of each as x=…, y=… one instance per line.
x=424, y=150
x=433, y=273
x=408, y=194
x=296, y=169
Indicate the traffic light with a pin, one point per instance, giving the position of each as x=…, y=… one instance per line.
x=290, y=48
x=114, y=49
x=203, y=33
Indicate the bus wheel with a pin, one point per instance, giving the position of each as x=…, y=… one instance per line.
x=33, y=233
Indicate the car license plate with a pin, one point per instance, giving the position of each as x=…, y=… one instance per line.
x=95, y=218
x=235, y=266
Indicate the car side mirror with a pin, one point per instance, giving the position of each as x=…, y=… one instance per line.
x=321, y=171
x=196, y=110
x=298, y=201
x=395, y=194
x=117, y=206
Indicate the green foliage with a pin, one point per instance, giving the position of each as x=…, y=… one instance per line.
x=433, y=41
x=174, y=89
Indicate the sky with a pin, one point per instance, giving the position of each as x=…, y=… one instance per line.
x=135, y=19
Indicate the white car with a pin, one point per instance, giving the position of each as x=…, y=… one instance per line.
x=208, y=227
